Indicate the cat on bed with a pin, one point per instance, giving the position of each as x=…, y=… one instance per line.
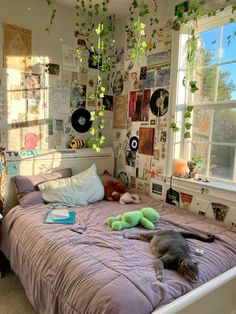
x=172, y=251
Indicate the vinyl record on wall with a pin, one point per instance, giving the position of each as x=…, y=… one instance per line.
x=133, y=143
x=80, y=120
x=159, y=102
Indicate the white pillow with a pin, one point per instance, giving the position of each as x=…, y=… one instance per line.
x=81, y=189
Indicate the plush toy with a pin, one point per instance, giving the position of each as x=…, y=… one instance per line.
x=147, y=216
x=128, y=198
x=76, y=143
x=113, y=190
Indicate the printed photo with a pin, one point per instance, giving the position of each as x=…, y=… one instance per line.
x=157, y=188
x=220, y=211
x=163, y=78
x=53, y=69
x=78, y=96
x=108, y=102
x=130, y=157
x=146, y=140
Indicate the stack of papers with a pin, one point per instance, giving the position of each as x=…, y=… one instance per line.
x=60, y=214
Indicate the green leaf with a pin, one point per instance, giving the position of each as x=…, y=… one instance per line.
x=193, y=86
x=187, y=134
x=187, y=114
x=188, y=126
x=189, y=108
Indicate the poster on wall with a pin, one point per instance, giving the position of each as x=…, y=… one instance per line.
x=163, y=77
x=186, y=200
x=31, y=84
x=68, y=58
x=146, y=141
x=120, y=110
x=17, y=48
x=78, y=96
x=220, y=211
x=157, y=188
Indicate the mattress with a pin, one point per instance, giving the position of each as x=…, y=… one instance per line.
x=99, y=271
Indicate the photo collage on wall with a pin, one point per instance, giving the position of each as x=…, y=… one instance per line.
x=141, y=144
x=44, y=94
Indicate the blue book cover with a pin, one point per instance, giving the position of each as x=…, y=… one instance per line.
x=70, y=220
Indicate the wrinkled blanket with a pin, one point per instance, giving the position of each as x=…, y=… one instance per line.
x=98, y=271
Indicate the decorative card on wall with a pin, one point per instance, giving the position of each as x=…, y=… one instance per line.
x=78, y=96
x=220, y=211
x=120, y=112
x=17, y=48
x=68, y=58
x=146, y=141
x=186, y=200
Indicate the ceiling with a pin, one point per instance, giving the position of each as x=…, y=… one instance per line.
x=118, y=7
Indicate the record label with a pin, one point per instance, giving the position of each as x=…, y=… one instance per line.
x=133, y=143
x=80, y=120
x=159, y=102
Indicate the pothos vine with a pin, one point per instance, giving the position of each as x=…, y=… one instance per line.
x=100, y=47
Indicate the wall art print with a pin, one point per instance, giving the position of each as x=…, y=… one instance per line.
x=146, y=140
x=17, y=48
x=120, y=111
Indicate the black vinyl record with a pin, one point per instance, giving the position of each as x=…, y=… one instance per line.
x=80, y=120
x=159, y=102
x=133, y=143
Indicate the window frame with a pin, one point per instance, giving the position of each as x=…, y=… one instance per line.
x=176, y=139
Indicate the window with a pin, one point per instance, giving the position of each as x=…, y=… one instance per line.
x=213, y=131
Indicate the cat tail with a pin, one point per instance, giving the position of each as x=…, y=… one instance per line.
x=189, y=235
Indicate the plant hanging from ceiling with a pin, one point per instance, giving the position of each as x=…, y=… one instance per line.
x=97, y=27
x=138, y=10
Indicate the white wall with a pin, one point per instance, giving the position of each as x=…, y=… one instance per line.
x=35, y=16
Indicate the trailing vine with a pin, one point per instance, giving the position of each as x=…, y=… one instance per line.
x=138, y=10
x=53, y=14
x=97, y=27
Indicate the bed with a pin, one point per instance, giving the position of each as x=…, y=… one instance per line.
x=99, y=271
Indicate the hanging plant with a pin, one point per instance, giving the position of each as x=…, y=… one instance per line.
x=138, y=10
x=53, y=14
x=99, y=50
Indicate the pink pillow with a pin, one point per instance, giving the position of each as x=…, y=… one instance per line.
x=31, y=198
x=25, y=185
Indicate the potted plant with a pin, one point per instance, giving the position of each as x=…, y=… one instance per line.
x=194, y=165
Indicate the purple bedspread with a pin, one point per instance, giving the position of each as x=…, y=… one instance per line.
x=99, y=271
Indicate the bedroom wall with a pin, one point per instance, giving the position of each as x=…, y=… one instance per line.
x=147, y=168
x=40, y=118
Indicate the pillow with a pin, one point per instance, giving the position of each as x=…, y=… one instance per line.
x=81, y=189
x=31, y=198
x=28, y=184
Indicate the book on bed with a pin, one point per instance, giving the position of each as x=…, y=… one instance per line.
x=60, y=216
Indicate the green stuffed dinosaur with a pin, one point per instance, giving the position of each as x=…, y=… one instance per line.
x=147, y=216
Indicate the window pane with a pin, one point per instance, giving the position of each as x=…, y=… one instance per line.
x=224, y=126
x=222, y=161
x=201, y=124
x=227, y=79
x=210, y=44
x=228, y=50
x=200, y=148
x=206, y=82
x=216, y=83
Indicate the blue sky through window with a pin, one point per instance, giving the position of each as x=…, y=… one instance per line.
x=211, y=44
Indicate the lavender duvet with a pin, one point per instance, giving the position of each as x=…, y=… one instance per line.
x=96, y=270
